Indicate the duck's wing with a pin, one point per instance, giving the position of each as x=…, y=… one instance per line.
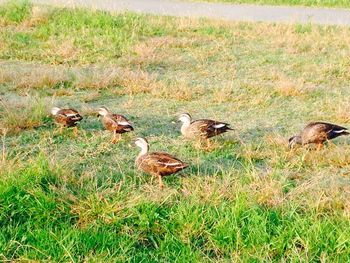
x=325, y=127
x=122, y=122
x=68, y=116
x=209, y=128
x=333, y=130
x=163, y=163
x=321, y=131
x=117, y=123
x=121, y=119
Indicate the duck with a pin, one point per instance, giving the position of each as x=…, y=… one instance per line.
x=66, y=118
x=202, y=128
x=317, y=133
x=157, y=164
x=115, y=123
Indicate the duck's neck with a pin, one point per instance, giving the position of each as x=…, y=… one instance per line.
x=299, y=139
x=144, y=149
x=185, y=125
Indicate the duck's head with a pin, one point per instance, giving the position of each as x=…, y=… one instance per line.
x=103, y=111
x=185, y=118
x=294, y=141
x=54, y=110
x=143, y=144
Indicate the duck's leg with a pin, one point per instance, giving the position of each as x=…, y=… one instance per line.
x=61, y=129
x=75, y=131
x=116, y=137
x=208, y=143
x=198, y=144
x=161, y=185
x=319, y=146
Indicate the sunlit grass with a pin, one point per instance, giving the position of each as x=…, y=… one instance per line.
x=68, y=198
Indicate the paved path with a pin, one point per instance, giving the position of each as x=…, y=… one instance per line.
x=215, y=10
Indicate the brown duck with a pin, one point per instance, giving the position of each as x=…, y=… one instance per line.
x=115, y=123
x=317, y=133
x=66, y=118
x=202, y=128
x=157, y=163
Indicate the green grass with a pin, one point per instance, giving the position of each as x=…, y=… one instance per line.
x=310, y=3
x=66, y=198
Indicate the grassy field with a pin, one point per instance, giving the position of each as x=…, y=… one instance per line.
x=311, y=3
x=250, y=199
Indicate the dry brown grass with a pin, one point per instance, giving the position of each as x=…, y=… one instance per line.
x=38, y=15
x=96, y=78
x=287, y=87
x=65, y=49
x=332, y=154
x=61, y=92
x=18, y=115
x=91, y=97
x=209, y=190
x=23, y=76
x=96, y=208
x=132, y=83
x=223, y=93
x=326, y=193
x=253, y=153
x=154, y=50
x=267, y=191
x=150, y=191
x=178, y=90
x=343, y=112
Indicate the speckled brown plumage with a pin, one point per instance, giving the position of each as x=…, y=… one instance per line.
x=205, y=129
x=112, y=123
x=158, y=164
x=116, y=123
x=202, y=128
x=318, y=133
x=66, y=118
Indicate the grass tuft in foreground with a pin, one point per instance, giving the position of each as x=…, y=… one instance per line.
x=18, y=115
